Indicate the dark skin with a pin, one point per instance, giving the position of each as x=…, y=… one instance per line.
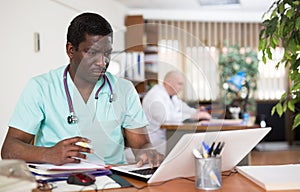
x=88, y=63
x=63, y=152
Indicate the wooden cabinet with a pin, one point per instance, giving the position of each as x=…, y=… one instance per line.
x=141, y=36
x=134, y=35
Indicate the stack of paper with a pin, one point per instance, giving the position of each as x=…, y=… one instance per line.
x=67, y=167
x=50, y=172
x=273, y=177
x=59, y=174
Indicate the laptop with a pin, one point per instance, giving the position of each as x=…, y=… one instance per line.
x=180, y=161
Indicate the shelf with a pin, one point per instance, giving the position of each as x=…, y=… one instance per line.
x=149, y=75
x=141, y=36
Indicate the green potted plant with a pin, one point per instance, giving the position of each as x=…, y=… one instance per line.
x=236, y=59
x=281, y=28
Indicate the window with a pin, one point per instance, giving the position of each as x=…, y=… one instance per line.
x=192, y=47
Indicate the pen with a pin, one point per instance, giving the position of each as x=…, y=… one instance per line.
x=221, y=148
x=217, y=149
x=211, y=149
x=197, y=154
x=205, y=149
x=214, y=178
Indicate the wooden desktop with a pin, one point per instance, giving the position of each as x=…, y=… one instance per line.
x=232, y=183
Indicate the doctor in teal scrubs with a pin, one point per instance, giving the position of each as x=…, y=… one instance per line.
x=80, y=102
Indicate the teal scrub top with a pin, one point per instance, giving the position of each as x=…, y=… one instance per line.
x=42, y=110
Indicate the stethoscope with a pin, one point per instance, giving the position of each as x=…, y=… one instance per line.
x=72, y=118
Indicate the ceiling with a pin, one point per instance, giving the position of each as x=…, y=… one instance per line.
x=247, y=5
x=247, y=11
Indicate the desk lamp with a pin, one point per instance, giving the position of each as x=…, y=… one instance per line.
x=236, y=84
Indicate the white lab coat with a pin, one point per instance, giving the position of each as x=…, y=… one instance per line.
x=160, y=108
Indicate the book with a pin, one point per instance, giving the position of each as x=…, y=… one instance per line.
x=273, y=177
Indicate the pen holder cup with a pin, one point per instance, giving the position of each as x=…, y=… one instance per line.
x=208, y=173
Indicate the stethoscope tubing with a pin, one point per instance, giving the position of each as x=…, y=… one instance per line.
x=72, y=118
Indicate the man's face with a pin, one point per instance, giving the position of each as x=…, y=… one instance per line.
x=92, y=57
x=177, y=84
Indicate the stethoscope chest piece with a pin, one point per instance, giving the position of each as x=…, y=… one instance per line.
x=72, y=119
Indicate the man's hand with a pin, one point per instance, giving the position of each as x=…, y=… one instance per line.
x=201, y=115
x=68, y=151
x=150, y=156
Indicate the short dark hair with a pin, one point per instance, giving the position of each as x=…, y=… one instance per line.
x=87, y=23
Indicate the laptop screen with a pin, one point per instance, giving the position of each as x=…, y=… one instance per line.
x=180, y=161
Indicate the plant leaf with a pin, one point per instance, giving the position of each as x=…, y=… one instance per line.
x=268, y=50
x=298, y=23
x=291, y=106
x=279, y=109
x=296, y=121
x=290, y=13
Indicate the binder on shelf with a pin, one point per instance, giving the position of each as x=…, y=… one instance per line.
x=134, y=67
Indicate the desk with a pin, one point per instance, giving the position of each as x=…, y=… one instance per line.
x=175, y=130
x=232, y=183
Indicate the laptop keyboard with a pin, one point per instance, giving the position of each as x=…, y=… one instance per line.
x=147, y=171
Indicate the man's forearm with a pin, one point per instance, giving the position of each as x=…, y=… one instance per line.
x=16, y=149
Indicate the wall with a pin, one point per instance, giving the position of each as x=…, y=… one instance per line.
x=20, y=19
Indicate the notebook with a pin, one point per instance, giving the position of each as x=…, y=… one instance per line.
x=273, y=177
x=180, y=161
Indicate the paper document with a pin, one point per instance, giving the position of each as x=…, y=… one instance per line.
x=273, y=177
x=51, y=173
x=67, y=167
